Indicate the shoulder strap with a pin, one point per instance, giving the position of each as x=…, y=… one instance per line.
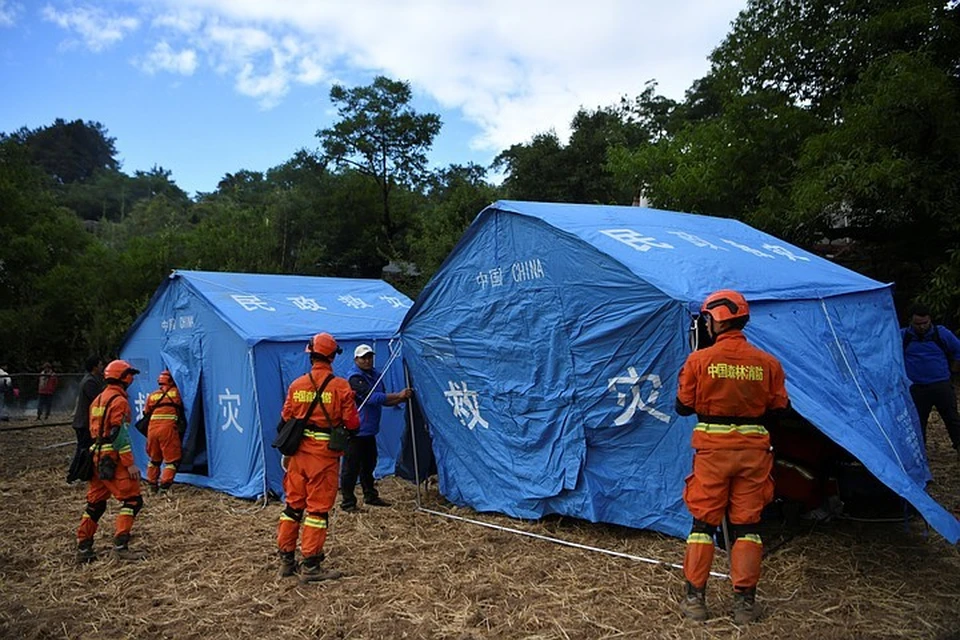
x=149, y=414
x=939, y=340
x=318, y=393
x=103, y=419
x=323, y=407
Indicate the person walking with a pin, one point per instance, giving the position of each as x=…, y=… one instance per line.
x=90, y=387
x=6, y=393
x=360, y=460
x=165, y=410
x=929, y=351
x=46, y=386
x=324, y=401
x=115, y=472
x=735, y=389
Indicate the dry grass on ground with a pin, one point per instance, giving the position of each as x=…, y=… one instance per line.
x=210, y=571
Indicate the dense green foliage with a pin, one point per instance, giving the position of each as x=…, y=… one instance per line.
x=833, y=124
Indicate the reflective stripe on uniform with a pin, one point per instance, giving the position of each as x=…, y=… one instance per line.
x=727, y=429
x=751, y=537
x=284, y=516
x=316, y=435
x=127, y=511
x=318, y=523
x=162, y=416
x=700, y=538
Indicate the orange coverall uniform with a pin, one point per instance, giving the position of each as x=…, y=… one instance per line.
x=313, y=472
x=109, y=419
x=163, y=439
x=731, y=386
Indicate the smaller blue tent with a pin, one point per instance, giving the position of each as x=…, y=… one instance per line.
x=545, y=354
x=234, y=342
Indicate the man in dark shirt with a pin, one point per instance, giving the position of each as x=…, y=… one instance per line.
x=90, y=387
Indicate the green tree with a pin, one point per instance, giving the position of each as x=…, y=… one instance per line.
x=382, y=137
x=833, y=120
x=70, y=151
x=547, y=170
x=455, y=196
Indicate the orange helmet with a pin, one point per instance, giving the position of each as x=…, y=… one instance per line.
x=119, y=371
x=323, y=344
x=165, y=378
x=726, y=304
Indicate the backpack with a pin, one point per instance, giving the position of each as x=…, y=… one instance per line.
x=908, y=337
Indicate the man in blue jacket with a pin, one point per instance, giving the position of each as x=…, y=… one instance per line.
x=928, y=352
x=361, y=455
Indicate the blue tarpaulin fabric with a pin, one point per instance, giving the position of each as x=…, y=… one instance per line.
x=234, y=342
x=546, y=349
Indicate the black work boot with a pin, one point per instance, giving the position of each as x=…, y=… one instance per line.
x=288, y=563
x=376, y=501
x=694, y=603
x=745, y=607
x=85, y=552
x=122, y=552
x=312, y=571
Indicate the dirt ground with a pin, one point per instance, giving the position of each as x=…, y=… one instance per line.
x=210, y=570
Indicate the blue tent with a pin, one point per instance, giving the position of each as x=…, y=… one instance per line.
x=234, y=342
x=546, y=349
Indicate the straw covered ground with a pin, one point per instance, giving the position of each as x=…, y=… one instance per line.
x=210, y=571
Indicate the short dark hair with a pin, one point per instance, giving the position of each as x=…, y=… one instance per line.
x=739, y=323
x=921, y=310
x=91, y=362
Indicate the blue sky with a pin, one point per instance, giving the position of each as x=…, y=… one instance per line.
x=209, y=87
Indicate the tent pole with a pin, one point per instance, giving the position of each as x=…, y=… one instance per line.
x=566, y=543
x=413, y=435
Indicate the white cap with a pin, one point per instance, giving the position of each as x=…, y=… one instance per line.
x=362, y=350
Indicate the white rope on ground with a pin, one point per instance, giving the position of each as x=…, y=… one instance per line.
x=863, y=396
x=567, y=543
x=58, y=445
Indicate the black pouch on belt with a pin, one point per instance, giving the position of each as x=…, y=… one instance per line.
x=106, y=468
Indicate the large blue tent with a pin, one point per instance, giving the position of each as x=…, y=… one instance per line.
x=546, y=349
x=234, y=342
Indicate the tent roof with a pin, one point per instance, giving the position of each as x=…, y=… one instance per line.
x=687, y=256
x=288, y=307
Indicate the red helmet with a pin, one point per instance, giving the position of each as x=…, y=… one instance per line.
x=119, y=371
x=323, y=344
x=726, y=304
x=165, y=378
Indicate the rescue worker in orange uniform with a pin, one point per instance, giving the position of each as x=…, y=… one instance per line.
x=115, y=473
x=734, y=388
x=312, y=473
x=165, y=407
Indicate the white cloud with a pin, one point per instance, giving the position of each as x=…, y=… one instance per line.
x=96, y=28
x=9, y=11
x=164, y=58
x=185, y=21
x=514, y=68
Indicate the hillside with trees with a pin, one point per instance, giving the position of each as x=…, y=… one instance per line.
x=833, y=125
